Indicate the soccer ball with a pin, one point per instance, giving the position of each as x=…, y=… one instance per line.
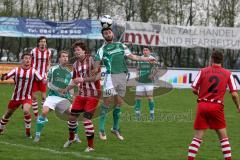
x=106, y=21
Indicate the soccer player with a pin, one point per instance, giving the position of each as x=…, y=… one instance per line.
x=23, y=76
x=210, y=86
x=88, y=97
x=40, y=61
x=113, y=56
x=59, y=77
x=146, y=73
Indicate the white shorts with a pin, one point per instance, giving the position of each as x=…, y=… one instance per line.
x=144, y=89
x=114, y=84
x=58, y=103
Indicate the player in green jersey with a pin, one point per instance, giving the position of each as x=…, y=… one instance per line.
x=59, y=77
x=113, y=55
x=146, y=74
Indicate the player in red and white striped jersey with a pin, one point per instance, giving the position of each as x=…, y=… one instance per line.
x=40, y=61
x=88, y=94
x=210, y=85
x=82, y=68
x=23, y=76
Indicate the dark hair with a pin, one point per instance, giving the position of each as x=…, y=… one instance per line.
x=40, y=38
x=217, y=56
x=81, y=45
x=61, y=52
x=26, y=53
x=104, y=29
x=145, y=47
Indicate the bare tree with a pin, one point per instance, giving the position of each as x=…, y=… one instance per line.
x=77, y=9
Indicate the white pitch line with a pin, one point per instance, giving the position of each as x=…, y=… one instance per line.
x=55, y=151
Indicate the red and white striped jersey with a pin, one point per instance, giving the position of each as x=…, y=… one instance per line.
x=212, y=82
x=83, y=69
x=40, y=60
x=23, y=79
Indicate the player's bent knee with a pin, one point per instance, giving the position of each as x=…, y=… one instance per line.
x=34, y=97
x=45, y=110
x=26, y=108
x=73, y=116
x=150, y=98
x=26, y=112
x=88, y=115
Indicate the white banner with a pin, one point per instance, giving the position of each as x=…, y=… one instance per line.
x=186, y=36
x=176, y=78
x=184, y=78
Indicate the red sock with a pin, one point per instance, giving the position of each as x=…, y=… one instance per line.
x=72, y=125
x=89, y=131
x=71, y=135
x=35, y=108
x=90, y=142
x=27, y=120
x=3, y=122
x=193, y=148
x=226, y=149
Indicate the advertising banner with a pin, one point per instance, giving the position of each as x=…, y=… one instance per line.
x=27, y=27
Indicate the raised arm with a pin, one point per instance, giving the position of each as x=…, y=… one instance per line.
x=140, y=58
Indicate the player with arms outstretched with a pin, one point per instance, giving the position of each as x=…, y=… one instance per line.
x=23, y=76
x=113, y=55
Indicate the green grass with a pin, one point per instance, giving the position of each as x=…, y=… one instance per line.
x=165, y=139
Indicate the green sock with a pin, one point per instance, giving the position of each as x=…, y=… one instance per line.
x=116, y=117
x=103, y=114
x=151, y=106
x=137, y=105
x=76, y=129
x=39, y=125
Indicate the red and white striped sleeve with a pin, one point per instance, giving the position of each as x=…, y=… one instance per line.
x=50, y=54
x=197, y=81
x=74, y=71
x=231, y=84
x=11, y=74
x=37, y=75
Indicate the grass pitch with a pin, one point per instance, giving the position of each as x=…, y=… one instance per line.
x=166, y=138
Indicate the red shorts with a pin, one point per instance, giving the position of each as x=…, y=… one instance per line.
x=39, y=86
x=84, y=104
x=14, y=104
x=209, y=115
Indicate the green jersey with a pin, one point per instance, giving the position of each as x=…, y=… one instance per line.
x=58, y=77
x=113, y=57
x=145, y=71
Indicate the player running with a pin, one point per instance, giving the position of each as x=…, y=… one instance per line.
x=210, y=86
x=41, y=56
x=59, y=77
x=113, y=56
x=88, y=94
x=23, y=76
x=145, y=86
